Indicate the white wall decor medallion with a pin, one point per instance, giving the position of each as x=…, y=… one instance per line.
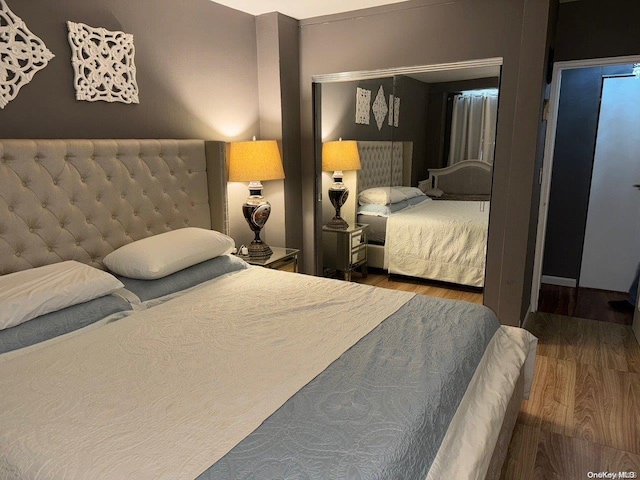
x=103, y=64
x=380, y=108
x=396, y=111
x=22, y=54
x=363, y=106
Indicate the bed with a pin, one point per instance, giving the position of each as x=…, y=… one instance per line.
x=221, y=370
x=443, y=240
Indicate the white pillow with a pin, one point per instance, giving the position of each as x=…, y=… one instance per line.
x=166, y=253
x=30, y=293
x=381, y=196
x=409, y=192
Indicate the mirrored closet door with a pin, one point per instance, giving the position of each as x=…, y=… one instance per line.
x=425, y=140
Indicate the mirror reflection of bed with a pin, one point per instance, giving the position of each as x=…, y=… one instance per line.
x=441, y=236
x=424, y=186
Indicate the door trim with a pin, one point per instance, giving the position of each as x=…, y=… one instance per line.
x=547, y=163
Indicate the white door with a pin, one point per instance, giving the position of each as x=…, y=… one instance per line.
x=612, y=238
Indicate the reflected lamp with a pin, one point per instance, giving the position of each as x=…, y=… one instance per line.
x=256, y=161
x=338, y=157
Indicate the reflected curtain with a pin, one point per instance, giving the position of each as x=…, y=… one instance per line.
x=473, y=127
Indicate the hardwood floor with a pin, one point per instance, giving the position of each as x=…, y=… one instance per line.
x=583, y=414
x=423, y=287
x=583, y=303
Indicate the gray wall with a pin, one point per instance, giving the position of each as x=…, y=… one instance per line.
x=585, y=29
x=422, y=32
x=573, y=156
x=196, y=69
x=279, y=100
x=412, y=126
x=339, y=111
x=597, y=29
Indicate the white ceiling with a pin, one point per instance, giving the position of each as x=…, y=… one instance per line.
x=301, y=9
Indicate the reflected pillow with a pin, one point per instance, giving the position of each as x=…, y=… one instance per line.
x=416, y=200
x=409, y=192
x=382, y=210
x=30, y=293
x=384, y=195
x=166, y=253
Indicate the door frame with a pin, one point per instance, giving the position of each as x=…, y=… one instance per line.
x=547, y=163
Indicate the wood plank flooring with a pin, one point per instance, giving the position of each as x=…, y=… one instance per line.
x=583, y=414
x=583, y=303
x=423, y=287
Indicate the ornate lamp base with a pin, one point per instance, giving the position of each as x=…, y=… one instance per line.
x=256, y=212
x=338, y=223
x=338, y=194
x=259, y=250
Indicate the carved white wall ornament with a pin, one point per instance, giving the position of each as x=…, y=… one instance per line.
x=394, y=110
x=363, y=106
x=380, y=108
x=22, y=54
x=103, y=63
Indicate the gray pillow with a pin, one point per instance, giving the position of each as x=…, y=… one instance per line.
x=183, y=279
x=60, y=322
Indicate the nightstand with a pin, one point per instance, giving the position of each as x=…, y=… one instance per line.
x=345, y=250
x=280, y=258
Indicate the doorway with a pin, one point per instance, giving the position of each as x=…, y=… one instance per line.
x=589, y=228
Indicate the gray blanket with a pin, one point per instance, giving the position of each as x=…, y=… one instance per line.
x=378, y=412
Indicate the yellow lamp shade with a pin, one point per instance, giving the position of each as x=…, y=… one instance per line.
x=255, y=160
x=340, y=155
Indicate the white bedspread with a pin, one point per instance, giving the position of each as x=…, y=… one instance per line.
x=439, y=240
x=140, y=398
x=482, y=410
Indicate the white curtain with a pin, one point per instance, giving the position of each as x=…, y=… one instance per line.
x=473, y=126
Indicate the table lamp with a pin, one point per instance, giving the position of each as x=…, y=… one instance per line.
x=248, y=162
x=338, y=157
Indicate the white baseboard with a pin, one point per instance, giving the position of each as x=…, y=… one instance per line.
x=562, y=281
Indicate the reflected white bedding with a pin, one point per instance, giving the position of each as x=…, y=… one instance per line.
x=439, y=240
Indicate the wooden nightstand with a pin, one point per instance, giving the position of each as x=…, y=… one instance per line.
x=279, y=260
x=345, y=250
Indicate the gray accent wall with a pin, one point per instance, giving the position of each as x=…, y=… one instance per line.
x=422, y=32
x=573, y=157
x=412, y=125
x=279, y=95
x=597, y=29
x=339, y=111
x=196, y=70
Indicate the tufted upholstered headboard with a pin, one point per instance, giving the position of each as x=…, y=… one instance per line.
x=383, y=164
x=82, y=199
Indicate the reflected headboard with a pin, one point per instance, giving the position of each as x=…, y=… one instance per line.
x=82, y=199
x=469, y=177
x=384, y=164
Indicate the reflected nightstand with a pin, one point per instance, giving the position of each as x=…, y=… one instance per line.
x=345, y=250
